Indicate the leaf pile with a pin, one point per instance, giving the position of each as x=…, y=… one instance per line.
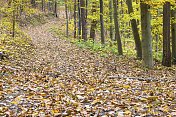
x=61, y=79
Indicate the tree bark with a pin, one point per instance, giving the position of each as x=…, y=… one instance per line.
x=43, y=5
x=166, y=35
x=111, y=19
x=102, y=23
x=55, y=8
x=79, y=20
x=66, y=13
x=83, y=20
x=135, y=31
x=93, y=23
x=147, y=55
x=75, y=19
x=173, y=29
x=117, y=33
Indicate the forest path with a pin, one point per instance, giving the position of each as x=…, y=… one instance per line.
x=78, y=78
x=61, y=79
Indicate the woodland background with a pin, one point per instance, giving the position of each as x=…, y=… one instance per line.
x=87, y=57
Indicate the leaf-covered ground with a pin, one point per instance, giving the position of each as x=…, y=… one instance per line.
x=57, y=78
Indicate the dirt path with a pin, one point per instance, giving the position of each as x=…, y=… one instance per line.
x=61, y=79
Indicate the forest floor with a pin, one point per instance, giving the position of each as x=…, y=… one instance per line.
x=58, y=78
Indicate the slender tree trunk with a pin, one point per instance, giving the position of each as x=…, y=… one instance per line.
x=135, y=31
x=42, y=5
x=173, y=26
x=111, y=20
x=83, y=20
x=166, y=35
x=93, y=23
x=75, y=19
x=117, y=33
x=79, y=20
x=147, y=55
x=13, y=27
x=102, y=23
x=49, y=4
x=66, y=13
x=86, y=9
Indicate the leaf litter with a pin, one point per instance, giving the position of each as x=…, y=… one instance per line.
x=57, y=78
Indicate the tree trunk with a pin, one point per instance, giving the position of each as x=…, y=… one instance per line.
x=83, y=20
x=173, y=26
x=79, y=20
x=102, y=23
x=135, y=31
x=14, y=21
x=75, y=19
x=147, y=55
x=111, y=19
x=93, y=23
x=117, y=33
x=43, y=5
x=166, y=35
x=49, y=4
x=55, y=8
x=66, y=13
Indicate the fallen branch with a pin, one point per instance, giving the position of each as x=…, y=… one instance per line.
x=136, y=78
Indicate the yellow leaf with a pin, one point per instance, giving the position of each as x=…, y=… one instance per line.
x=14, y=102
x=127, y=112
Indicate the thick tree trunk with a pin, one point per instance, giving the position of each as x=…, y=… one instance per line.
x=111, y=19
x=55, y=9
x=83, y=20
x=135, y=31
x=166, y=35
x=93, y=23
x=102, y=23
x=173, y=26
x=147, y=55
x=117, y=33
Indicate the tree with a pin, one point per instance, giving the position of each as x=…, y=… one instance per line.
x=102, y=23
x=66, y=13
x=166, y=35
x=55, y=8
x=147, y=55
x=173, y=29
x=75, y=19
x=135, y=31
x=43, y=5
x=94, y=22
x=83, y=20
x=117, y=33
x=79, y=20
x=111, y=19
